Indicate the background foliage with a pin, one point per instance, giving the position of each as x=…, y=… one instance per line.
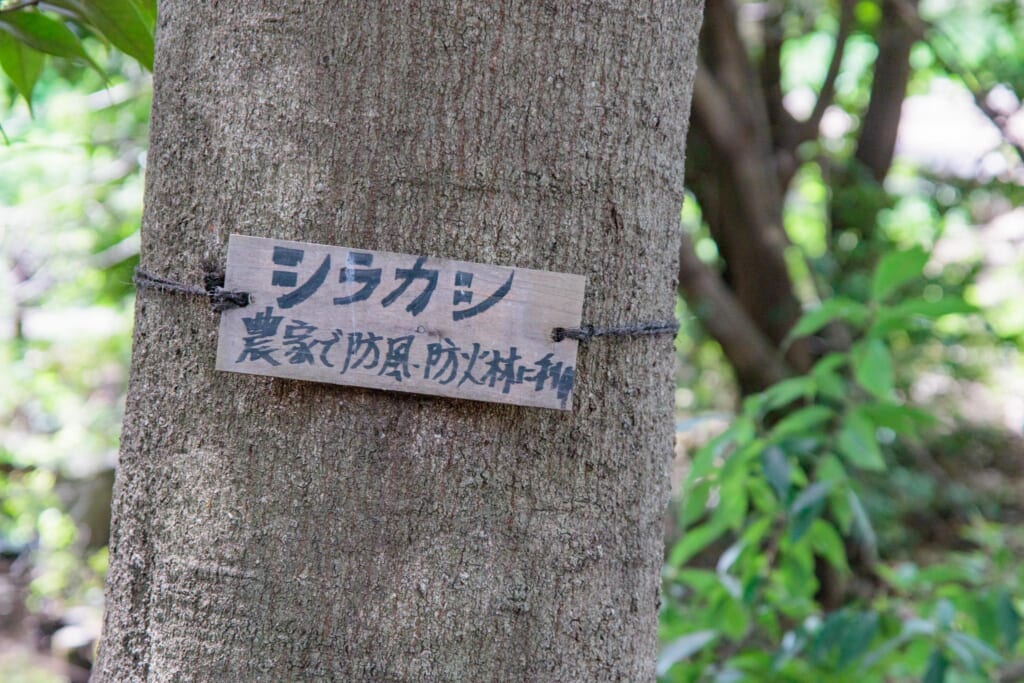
x=848, y=481
x=856, y=517
x=74, y=115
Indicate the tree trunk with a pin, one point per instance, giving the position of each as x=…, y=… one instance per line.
x=736, y=174
x=272, y=530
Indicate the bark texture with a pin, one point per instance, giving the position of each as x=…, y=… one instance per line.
x=271, y=530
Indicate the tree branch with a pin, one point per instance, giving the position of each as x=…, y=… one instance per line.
x=828, y=87
x=877, y=139
x=782, y=126
x=757, y=363
x=750, y=310
x=716, y=114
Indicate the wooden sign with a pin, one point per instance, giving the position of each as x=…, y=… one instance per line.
x=400, y=322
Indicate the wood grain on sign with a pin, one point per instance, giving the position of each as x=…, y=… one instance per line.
x=400, y=322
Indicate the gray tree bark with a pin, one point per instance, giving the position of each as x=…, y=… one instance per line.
x=272, y=530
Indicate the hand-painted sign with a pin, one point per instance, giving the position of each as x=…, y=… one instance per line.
x=399, y=322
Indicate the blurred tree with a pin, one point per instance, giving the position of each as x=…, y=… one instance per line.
x=70, y=206
x=274, y=530
x=815, y=221
x=747, y=146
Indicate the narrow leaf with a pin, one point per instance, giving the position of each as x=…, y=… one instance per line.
x=802, y=422
x=936, y=671
x=895, y=269
x=785, y=392
x=839, y=308
x=934, y=308
x=904, y=314
x=695, y=501
x=857, y=443
x=148, y=10
x=806, y=507
x=693, y=541
x=856, y=638
x=827, y=543
x=122, y=22
x=776, y=471
x=740, y=431
x=863, y=530
x=22, y=65
x=1008, y=619
x=810, y=497
x=971, y=653
x=733, y=503
x=901, y=419
x=979, y=650
x=45, y=34
x=872, y=367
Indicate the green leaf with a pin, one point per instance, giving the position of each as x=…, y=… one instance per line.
x=728, y=614
x=810, y=497
x=971, y=652
x=733, y=503
x=856, y=637
x=45, y=34
x=941, y=573
x=826, y=542
x=829, y=383
x=926, y=308
x=830, y=363
x=857, y=442
x=763, y=500
x=945, y=613
x=895, y=269
x=830, y=469
x=936, y=671
x=901, y=419
x=806, y=507
x=785, y=392
x=983, y=609
x=683, y=648
x=22, y=65
x=756, y=532
x=695, y=501
x=872, y=367
x=839, y=308
x=776, y=471
x=863, y=530
x=1007, y=619
x=148, y=10
x=701, y=580
x=125, y=23
x=802, y=421
x=741, y=431
x=693, y=541
x=900, y=316
x=844, y=638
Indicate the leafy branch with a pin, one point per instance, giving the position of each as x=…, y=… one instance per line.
x=30, y=33
x=19, y=6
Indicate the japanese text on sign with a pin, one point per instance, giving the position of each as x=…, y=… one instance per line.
x=400, y=322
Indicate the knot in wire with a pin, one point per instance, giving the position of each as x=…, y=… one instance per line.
x=221, y=299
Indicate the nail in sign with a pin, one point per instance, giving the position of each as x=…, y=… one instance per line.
x=400, y=322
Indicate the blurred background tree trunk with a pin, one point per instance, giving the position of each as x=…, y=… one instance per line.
x=745, y=148
x=273, y=530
